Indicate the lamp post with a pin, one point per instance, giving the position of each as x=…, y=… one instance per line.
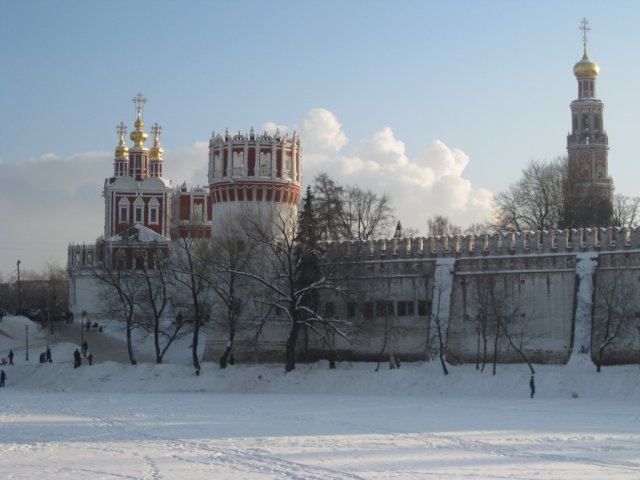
x=84, y=314
x=26, y=331
x=19, y=287
x=638, y=327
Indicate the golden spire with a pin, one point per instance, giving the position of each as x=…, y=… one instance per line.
x=139, y=136
x=122, y=151
x=156, y=151
x=585, y=67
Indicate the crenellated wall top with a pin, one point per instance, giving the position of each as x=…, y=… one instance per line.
x=568, y=241
x=252, y=136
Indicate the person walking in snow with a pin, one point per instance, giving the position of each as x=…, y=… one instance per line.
x=90, y=358
x=85, y=347
x=532, y=385
x=77, y=360
x=11, y=357
x=3, y=377
x=48, y=355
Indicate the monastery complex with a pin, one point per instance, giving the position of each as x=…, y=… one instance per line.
x=558, y=293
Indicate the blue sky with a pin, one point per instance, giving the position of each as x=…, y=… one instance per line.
x=458, y=94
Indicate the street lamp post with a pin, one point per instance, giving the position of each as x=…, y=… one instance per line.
x=84, y=314
x=19, y=287
x=26, y=331
x=638, y=327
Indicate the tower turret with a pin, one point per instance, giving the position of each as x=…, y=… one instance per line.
x=121, y=160
x=156, y=153
x=251, y=170
x=139, y=154
x=590, y=187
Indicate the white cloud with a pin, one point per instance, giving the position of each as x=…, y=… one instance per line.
x=188, y=164
x=430, y=184
x=272, y=127
x=321, y=132
x=47, y=202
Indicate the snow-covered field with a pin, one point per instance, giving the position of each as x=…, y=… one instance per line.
x=116, y=421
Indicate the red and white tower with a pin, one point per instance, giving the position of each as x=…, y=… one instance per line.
x=591, y=188
x=137, y=194
x=254, y=171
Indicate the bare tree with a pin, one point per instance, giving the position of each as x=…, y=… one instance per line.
x=517, y=332
x=233, y=252
x=616, y=310
x=192, y=264
x=350, y=212
x=440, y=225
x=280, y=273
x=626, y=211
x=123, y=286
x=537, y=201
x=155, y=299
x=329, y=197
x=365, y=214
x=484, y=321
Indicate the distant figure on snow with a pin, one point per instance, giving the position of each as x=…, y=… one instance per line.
x=77, y=359
x=11, y=357
x=90, y=358
x=532, y=385
x=85, y=347
x=3, y=377
x=49, y=355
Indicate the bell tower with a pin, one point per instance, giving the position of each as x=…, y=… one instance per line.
x=590, y=187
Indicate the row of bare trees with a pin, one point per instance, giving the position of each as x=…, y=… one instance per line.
x=262, y=264
x=544, y=199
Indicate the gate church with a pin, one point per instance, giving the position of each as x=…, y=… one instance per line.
x=539, y=295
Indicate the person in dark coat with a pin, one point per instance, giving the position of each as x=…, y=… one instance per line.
x=77, y=359
x=90, y=358
x=532, y=385
x=11, y=357
x=3, y=377
x=85, y=347
x=49, y=355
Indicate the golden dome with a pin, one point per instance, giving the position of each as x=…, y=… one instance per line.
x=156, y=151
x=139, y=136
x=586, y=67
x=122, y=151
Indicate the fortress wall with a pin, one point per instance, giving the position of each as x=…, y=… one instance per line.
x=382, y=320
x=533, y=297
x=617, y=298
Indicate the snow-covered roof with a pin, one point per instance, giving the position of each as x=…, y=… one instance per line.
x=139, y=233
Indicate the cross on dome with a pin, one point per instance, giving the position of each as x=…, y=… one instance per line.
x=156, y=129
x=584, y=26
x=139, y=100
x=121, y=129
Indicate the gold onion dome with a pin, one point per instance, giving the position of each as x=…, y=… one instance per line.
x=139, y=136
x=586, y=67
x=156, y=151
x=122, y=150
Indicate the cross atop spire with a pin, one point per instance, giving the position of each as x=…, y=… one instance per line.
x=584, y=26
x=156, y=129
x=139, y=100
x=121, y=129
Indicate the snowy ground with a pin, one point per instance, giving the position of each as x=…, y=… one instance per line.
x=116, y=421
